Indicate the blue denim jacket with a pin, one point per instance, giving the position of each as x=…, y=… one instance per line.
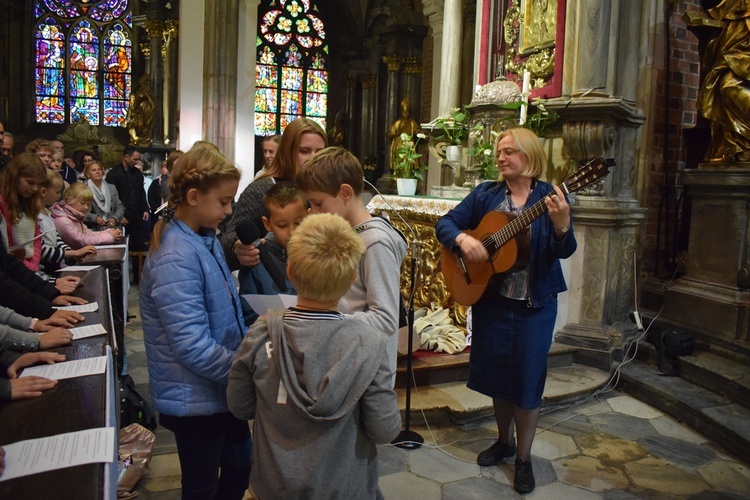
x=546, y=278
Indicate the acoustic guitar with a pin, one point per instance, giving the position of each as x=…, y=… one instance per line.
x=505, y=237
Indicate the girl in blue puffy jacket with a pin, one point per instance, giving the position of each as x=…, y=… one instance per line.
x=192, y=326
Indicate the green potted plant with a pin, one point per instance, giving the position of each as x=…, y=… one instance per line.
x=482, y=152
x=406, y=167
x=453, y=128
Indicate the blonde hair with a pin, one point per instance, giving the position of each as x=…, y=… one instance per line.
x=89, y=166
x=324, y=253
x=201, y=168
x=38, y=144
x=52, y=179
x=328, y=169
x=26, y=165
x=78, y=191
x=284, y=164
x=527, y=143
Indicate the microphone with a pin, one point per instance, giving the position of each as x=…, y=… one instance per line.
x=249, y=234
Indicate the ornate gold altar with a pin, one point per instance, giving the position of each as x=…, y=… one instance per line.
x=421, y=214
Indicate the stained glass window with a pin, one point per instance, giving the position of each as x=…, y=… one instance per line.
x=83, y=51
x=291, y=77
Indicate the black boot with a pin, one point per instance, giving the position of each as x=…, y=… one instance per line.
x=496, y=453
x=524, y=481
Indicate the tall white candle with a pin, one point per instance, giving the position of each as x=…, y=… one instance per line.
x=525, y=96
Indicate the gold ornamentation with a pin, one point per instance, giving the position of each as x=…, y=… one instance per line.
x=412, y=65
x=421, y=214
x=369, y=81
x=393, y=62
x=140, y=120
x=528, y=34
x=82, y=132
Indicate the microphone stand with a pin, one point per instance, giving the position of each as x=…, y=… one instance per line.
x=408, y=439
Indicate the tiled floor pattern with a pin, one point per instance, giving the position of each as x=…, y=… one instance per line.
x=613, y=447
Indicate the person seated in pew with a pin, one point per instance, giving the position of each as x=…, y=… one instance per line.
x=28, y=294
x=19, y=333
x=12, y=387
x=70, y=214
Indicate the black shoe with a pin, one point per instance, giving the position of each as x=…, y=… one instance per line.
x=496, y=453
x=524, y=481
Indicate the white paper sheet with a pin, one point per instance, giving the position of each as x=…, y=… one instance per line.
x=58, y=452
x=262, y=303
x=80, y=308
x=77, y=268
x=81, y=332
x=21, y=245
x=101, y=247
x=68, y=369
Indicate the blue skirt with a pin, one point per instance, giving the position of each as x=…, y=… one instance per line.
x=509, y=347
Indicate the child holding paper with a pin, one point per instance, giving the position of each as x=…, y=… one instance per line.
x=69, y=217
x=284, y=207
x=12, y=387
x=18, y=332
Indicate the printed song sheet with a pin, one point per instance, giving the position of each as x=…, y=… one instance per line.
x=68, y=369
x=78, y=268
x=262, y=303
x=58, y=452
x=81, y=332
x=81, y=308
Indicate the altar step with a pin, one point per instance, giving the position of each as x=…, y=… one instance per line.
x=711, y=393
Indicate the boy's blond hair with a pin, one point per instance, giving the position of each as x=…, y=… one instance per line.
x=79, y=191
x=328, y=169
x=324, y=253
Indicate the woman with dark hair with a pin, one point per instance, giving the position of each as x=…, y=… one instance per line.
x=514, y=322
x=301, y=139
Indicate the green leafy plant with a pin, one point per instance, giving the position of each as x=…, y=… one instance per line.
x=453, y=127
x=483, y=152
x=538, y=119
x=406, y=164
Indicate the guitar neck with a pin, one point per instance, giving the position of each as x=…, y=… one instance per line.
x=517, y=225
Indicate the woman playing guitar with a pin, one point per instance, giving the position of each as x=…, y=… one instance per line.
x=513, y=321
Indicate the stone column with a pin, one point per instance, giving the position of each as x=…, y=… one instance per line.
x=220, y=74
x=192, y=21
x=369, y=116
x=170, y=81
x=606, y=215
x=433, y=9
x=412, y=84
x=351, y=102
x=450, y=60
x=392, y=100
x=244, y=137
x=155, y=30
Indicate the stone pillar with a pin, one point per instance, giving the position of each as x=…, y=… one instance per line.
x=411, y=79
x=192, y=21
x=155, y=30
x=433, y=9
x=450, y=60
x=392, y=100
x=244, y=137
x=220, y=74
x=606, y=215
x=369, y=116
x=170, y=81
x=351, y=106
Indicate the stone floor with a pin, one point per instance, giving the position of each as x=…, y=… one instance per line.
x=608, y=447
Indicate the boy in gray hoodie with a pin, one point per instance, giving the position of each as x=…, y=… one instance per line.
x=317, y=383
x=332, y=182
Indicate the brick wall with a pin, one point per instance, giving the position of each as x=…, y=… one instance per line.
x=671, y=149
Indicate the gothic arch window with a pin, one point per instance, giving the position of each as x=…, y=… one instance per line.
x=82, y=52
x=291, y=76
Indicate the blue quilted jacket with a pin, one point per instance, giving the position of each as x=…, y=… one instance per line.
x=192, y=322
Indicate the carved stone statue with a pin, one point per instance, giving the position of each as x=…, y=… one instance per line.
x=403, y=125
x=141, y=113
x=725, y=96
